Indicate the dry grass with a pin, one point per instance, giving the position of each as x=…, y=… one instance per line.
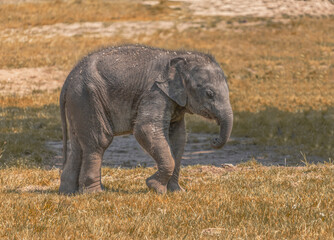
x=24, y=15
x=286, y=67
x=250, y=201
x=290, y=67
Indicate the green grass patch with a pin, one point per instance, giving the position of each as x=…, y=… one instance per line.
x=310, y=132
x=24, y=132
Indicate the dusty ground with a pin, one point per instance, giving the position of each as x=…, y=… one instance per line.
x=26, y=80
x=261, y=8
x=126, y=152
x=276, y=10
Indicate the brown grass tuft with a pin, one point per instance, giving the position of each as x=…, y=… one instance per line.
x=261, y=202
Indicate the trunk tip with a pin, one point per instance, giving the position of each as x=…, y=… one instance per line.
x=217, y=143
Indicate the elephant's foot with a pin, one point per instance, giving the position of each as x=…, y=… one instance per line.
x=68, y=185
x=154, y=183
x=92, y=189
x=91, y=185
x=174, y=186
x=66, y=190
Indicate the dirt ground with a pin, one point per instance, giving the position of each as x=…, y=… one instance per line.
x=261, y=8
x=27, y=80
x=126, y=152
x=276, y=10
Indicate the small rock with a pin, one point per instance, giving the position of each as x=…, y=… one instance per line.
x=228, y=165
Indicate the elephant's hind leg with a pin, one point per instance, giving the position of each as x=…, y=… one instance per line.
x=94, y=132
x=69, y=180
x=90, y=174
x=92, y=154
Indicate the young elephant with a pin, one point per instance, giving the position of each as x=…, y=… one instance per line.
x=140, y=90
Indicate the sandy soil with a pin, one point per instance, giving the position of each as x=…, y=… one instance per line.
x=261, y=8
x=276, y=10
x=125, y=29
x=27, y=80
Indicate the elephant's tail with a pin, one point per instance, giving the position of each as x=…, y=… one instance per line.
x=62, y=102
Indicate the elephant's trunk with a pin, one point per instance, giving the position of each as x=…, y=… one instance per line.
x=226, y=124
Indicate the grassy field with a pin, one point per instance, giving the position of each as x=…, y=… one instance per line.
x=281, y=78
x=247, y=202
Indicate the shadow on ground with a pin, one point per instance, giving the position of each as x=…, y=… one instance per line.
x=271, y=136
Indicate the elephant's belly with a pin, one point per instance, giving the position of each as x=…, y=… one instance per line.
x=122, y=111
x=121, y=122
x=122, y=127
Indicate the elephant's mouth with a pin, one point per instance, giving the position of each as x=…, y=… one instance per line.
x=208, y=115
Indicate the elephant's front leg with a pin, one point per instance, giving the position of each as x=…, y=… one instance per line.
x=177, y=139
x=152, y=137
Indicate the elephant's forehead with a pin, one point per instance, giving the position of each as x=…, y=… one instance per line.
x=211, y=71
x=210, y=67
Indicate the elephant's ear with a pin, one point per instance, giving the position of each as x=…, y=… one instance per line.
x=171, y=82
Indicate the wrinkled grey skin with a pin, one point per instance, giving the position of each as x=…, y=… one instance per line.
x=144, y=91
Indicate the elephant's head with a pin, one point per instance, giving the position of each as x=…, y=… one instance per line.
x=199, y=84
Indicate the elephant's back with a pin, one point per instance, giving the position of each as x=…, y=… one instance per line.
x=129, y=59
x=135, y=53
x=128, y=66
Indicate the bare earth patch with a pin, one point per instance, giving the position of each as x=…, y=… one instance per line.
x=92, y=29
x=131, y=29
x=27, y=80
x=126, y=152
x=260, y=8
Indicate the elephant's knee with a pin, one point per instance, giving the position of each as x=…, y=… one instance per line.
x=168, y=168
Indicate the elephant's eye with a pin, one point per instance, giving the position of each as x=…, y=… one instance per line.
x=210, y=94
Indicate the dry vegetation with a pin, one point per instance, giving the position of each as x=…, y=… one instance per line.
x=248, y=202
x=46, y=13
x=281, y=78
